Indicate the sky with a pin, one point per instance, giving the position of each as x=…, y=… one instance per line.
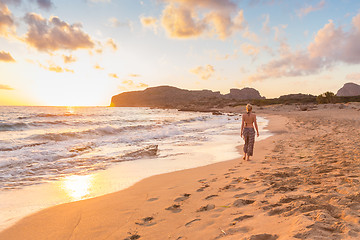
x=82, y=52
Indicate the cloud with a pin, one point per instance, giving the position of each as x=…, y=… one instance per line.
x=113, y=75
x=262, y=2
x=45, y=4
x=6, y=57
x=7, y=24
x=15, y=2
x=250, y=49
x=203, y=72
x=5, y=87
x=149, y=22
x=265, y=25
x=98, y=67
x=110, y=42
x=194, y=18
x=55, y=68
x=308, y=9
x=330, y=46
x=54, y=34
x=353, y=76
x=142, y=85
x=99, y=1
x=114, y=22
x=134, y=75
x=69, y=59
x=129, y=84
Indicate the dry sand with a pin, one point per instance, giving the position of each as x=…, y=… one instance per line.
x=302, y=183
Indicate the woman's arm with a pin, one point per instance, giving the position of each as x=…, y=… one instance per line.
x=256, y=126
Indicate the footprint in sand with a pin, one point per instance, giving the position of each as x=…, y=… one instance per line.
x=241, y=195
x=183, y=198
x=211, y=196
x=242, y=218
x=236, y=180
x=263, y=236
x=213, y=180
x=133, y=237
x=174, y=208
x=148, y=221
x=227, y=187
x=206, y=208
x=152, y=199
x=242, y=202
x=203, y=187
x=188, y=224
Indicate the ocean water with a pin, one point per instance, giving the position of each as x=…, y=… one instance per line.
x=44, y=150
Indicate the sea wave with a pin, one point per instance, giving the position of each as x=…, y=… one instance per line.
x=100, y=131
x=49, y=115
x=12, y=126
x=13, y=148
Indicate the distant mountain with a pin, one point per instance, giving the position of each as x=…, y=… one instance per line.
x=172, y=97
x=349, y=89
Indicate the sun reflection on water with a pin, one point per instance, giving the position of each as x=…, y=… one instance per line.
x=77, y=187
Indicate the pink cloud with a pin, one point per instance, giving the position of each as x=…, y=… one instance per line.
x=7, y=24
x=330, y=46
x=194, y=18
x=54, y=34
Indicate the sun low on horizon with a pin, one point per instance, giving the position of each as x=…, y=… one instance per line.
x=83, y=52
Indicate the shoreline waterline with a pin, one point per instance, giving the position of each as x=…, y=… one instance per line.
x=22, y=202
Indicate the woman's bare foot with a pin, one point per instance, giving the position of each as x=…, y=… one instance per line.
x=244, y=156
x=248, y=158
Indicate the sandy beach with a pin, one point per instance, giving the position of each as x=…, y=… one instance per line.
x=302, y=183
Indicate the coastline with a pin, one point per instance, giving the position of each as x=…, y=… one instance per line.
x=299, y=185
x=174, y=154
x=137, y=190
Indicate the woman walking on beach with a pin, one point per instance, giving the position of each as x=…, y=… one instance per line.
x=247, y=130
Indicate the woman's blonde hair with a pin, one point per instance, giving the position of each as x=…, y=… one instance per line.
x=248, y=107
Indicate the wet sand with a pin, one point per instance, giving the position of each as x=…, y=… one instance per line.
x=302, y=183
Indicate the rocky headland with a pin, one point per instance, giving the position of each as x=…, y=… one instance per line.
x=172, y=97
x=211, y=101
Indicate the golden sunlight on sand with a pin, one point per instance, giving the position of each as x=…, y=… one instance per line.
x=77, y=187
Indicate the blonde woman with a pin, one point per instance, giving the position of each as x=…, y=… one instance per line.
x=248, y=132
